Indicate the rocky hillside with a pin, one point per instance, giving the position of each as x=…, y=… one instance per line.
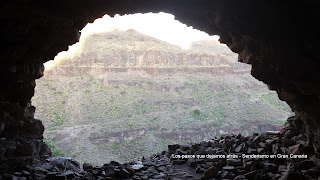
x=123, y=116
x=123, y=50
x=103, y=104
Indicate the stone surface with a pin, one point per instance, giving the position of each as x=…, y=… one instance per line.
x=159, y=166
x=210, y=173
x=87, y=166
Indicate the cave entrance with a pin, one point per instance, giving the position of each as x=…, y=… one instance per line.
x=129, y=88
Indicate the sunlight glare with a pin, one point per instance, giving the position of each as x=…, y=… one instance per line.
x=161, y=26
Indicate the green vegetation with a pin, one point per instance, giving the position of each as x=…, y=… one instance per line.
x=55, y=150
x=129, y=149
x=196, y=114
x=273, y=101
x=219, y=114
x=100, y=116
x=129, y=120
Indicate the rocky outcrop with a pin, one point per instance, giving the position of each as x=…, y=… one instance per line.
x=279, y=39
x=126, y=51
x=152, y=58
x=151, y=62
x=272, y=155
x=20, y=133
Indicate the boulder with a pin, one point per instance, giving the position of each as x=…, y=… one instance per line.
x=210, y=173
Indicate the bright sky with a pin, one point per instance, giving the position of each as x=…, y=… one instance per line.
x=162, y=26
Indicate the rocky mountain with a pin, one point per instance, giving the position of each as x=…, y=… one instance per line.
x=120, y=50
x=124, y=95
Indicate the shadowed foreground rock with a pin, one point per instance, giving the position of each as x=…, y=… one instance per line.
x=294, y=159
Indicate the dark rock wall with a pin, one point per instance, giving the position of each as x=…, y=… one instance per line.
x=279, y=39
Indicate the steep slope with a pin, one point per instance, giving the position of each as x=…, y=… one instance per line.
x=103, y=104
x=126, y=116
x=120, y=50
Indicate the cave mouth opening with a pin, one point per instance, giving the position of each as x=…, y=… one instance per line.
x=124, y=92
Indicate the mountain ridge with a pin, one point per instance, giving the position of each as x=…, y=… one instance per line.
x=130, y=49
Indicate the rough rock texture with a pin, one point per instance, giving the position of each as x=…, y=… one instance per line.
x=124, y=51
x=279, y=39
x=227, y=157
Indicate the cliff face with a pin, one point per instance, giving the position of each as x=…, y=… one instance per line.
x=131, y=51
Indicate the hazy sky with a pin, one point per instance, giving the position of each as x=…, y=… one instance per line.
x=162, y=26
